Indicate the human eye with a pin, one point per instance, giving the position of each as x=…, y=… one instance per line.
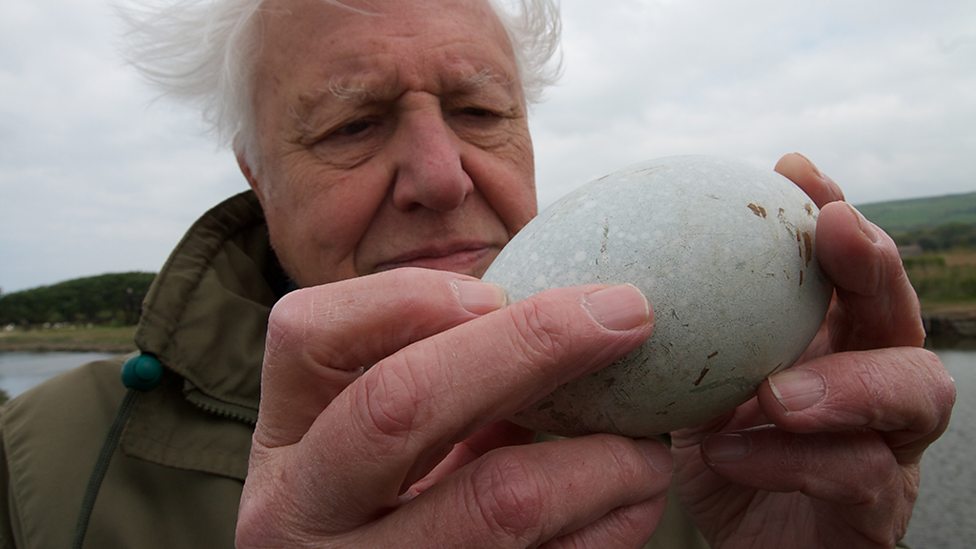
x=356, y=128
x=477, y=112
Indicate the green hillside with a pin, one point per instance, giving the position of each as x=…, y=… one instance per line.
x=907, y=215
x=938, y=236
x=114, y=299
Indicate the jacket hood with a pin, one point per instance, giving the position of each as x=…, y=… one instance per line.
x=206, y=312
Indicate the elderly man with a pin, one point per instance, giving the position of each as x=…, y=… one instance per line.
x=387, y=147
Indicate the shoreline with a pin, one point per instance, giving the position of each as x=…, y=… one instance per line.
x=945, y=327
x=67, y=347
x=97, y=339
x=956, y=322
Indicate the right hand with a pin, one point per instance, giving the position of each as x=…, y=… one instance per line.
x=382, y=419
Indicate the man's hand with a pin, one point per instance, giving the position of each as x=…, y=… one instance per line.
x=382, y=419
x=827, y=454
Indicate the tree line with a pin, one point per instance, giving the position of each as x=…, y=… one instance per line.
x=108, y=299
x=948, y=236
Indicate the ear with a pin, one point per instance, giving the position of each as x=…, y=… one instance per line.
x=249, y=174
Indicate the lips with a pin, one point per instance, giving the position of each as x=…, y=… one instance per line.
x=467, y=258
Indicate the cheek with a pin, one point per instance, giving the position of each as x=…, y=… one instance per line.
x=508, y=184
x=316, y=222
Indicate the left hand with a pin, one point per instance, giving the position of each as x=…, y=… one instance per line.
x=827, y=454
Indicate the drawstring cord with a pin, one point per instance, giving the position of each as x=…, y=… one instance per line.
x=101, y=467
x=140, y=373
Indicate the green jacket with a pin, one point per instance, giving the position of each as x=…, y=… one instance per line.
x=176, y=476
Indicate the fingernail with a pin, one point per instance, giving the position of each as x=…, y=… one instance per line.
x=797, y=389
x=657, y=454
x=479, y=297
x=618, y=308
x=726, y=447
x=867, y=228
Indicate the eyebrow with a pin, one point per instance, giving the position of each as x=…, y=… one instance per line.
x=360, y=91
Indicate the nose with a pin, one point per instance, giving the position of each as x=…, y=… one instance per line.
x=429, y=171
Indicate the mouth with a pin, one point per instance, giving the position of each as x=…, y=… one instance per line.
x=466, y=258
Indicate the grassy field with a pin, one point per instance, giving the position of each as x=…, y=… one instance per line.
x=944, y=281
x=107, y=339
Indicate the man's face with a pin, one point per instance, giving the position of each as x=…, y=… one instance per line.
x=389, y=140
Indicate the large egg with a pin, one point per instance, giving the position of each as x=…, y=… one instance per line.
x=724, y=252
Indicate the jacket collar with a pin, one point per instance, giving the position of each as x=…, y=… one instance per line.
x=206, y=313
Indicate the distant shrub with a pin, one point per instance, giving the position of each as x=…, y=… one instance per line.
x=114, y=299
x=924, y=262
x=940, y=237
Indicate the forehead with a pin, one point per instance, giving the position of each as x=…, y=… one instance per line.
x=408, y=40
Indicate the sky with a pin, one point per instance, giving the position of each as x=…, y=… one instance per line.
x=98, y=174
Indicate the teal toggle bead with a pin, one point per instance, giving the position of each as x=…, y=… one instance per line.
x=142, y=372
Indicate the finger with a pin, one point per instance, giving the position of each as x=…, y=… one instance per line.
x=527, y=495
x=321, y=339
x=853, y=469
x=903, y=393
x=876, y=305
x=805, y=175
x=629, y=526
x=438, y=391
x=502, y=433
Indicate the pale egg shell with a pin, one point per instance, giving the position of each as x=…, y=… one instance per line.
x=724, y=252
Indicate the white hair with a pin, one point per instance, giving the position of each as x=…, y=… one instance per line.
x=202, y=51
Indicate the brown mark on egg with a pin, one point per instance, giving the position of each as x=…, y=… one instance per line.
x=701, y=376
x=809, y=208
x=758, y=210
x=790, y=228
x=801, y=278
x=713, y=355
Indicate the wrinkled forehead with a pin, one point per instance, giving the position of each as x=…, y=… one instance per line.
x=363, y=46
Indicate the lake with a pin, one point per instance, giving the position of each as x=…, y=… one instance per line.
x=21, y=371
x=944, y=514
x=947, y=501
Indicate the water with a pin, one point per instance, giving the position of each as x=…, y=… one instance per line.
x=944, y=515
x=21, y=371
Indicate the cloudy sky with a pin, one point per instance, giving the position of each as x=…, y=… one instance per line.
x=96, y=176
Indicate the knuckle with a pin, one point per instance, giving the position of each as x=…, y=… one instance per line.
x=539, y=334
x=627, y=461
x=388, y=401
x=942, y=385
x=941, y=392
x=878, y=475
x=288, y=318
x=507, y=498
